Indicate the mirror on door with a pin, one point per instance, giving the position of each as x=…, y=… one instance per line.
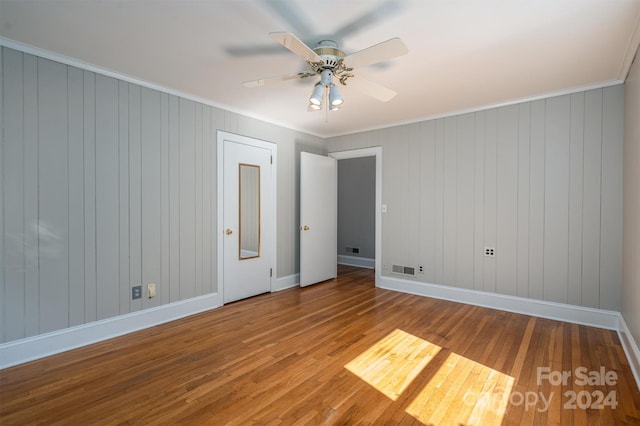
x=249, y=232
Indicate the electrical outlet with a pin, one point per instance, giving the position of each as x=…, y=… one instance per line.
x=136, y=292
x=151, y=290
x=490, y=251
x=421, y=269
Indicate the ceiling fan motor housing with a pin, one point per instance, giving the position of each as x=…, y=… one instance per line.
x=329, y=53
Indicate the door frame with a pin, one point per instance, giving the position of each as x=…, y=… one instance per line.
x=377, y=153
x=221, y=136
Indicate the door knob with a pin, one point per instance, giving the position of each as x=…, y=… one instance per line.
x=306, y=228
x=228, y=231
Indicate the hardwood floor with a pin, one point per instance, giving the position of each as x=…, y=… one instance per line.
x=339, y=352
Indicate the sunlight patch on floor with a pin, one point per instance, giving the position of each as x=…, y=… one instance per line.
x=463, y=391
x=391, y=364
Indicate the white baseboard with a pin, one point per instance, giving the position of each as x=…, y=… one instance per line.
x=32, y=348
x=521, y=305
x=631, y=349
x=289, y=281
x=36, y=347
x=601, y=318
x=363, y=262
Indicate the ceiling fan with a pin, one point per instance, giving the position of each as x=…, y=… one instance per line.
x=331, y=63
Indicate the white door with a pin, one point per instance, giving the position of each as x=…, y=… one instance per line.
x=318, y=218
x=247, y=220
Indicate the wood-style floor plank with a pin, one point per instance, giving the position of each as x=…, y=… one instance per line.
x=339, y=352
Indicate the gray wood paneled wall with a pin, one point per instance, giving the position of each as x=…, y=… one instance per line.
x=107, y=184
x=631, y=261
x=540, y=181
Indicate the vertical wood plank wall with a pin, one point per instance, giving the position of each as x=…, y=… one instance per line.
x=105, y=185
x=540, y=181
x=631, y=266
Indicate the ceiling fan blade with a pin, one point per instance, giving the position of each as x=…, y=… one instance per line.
x=377, y=53
x=268, y=80
x=382, y=11
x=293, y=16
x=371, y=88
x=294, y=44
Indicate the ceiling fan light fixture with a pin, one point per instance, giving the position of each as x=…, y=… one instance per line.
x=328, y=61
x=316, y=95
x=335, y=98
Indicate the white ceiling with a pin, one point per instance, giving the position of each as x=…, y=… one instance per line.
x=463, y=55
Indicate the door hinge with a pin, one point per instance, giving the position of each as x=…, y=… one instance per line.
x=271, y=272
x=271, y=159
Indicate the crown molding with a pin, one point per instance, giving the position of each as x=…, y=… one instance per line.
x=67, y=60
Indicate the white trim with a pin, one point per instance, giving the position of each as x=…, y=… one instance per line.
x=363, y=262
x=67, y=60
x=221, y=136
x=520, y=305
x=284, y=283
x=377, y=153
x=548, y=95
x=631, y=349
x=600, y=318
x=26, y=48
x=32, y=348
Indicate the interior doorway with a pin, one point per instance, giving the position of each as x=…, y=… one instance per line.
x=356, y=212
x=376, y=153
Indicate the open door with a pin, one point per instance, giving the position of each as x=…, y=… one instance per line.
x=318, y=218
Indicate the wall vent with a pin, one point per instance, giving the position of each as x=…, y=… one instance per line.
x=404, y=270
